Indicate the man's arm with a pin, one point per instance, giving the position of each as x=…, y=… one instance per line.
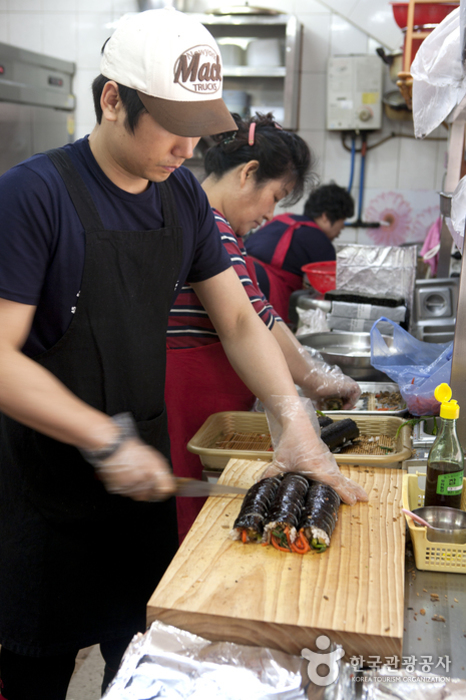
x=34, y=396
x=258, y=360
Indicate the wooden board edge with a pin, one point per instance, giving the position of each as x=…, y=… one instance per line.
x=289, y=639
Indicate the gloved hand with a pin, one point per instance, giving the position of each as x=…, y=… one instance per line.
x=323, y=381
x=298, y=448
x=138, y=471
x=130, y=467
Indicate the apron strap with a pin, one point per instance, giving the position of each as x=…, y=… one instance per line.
x=79, y=194
x=284, y=243
x=169, y=209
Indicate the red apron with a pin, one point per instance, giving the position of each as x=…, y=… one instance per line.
x=283, y=283
x=200, y=381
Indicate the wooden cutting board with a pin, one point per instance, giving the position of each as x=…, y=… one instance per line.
x=250, y=594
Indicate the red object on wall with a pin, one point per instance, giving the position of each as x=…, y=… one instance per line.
x=415, y=43
x=432, y=13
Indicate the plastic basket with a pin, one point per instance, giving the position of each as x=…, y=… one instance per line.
x=431, y=556
x=220, y=424
x=321, y=275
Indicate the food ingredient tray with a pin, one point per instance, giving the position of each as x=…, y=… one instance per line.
x=374, y=404
x=431, y=556
x=219, y=426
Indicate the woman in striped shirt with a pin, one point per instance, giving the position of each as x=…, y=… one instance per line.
x=248, y=172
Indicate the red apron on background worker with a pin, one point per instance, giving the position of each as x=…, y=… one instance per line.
x=281, y=247
x=281, y=283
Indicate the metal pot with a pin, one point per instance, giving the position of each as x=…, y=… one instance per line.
x=349, y=351
x=394, y=60
x=395, y=107
x=160, y=4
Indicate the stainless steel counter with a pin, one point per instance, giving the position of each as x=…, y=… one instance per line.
x=426, y=637
x=423, y=636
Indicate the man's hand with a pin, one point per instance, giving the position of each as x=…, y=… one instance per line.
x=138, y=471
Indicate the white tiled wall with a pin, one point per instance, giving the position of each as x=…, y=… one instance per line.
x=76, y=29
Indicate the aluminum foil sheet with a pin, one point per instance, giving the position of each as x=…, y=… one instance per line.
x=386, y=683
x=376, y=269
x=167, y=662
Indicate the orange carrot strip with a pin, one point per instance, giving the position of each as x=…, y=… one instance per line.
x=277, y=545
x=306, y=545
x=301, y=545
x=244, y=536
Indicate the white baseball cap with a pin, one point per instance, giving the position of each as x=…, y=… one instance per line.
x=174, y=63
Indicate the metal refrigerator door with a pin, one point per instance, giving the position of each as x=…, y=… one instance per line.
x=26, y=130
x=16, y=134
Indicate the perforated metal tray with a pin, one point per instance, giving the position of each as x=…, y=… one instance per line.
x=375, y=388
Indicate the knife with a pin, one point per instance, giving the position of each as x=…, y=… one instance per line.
x=195, y=487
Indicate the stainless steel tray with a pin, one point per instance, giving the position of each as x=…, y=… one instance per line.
x=375, y=388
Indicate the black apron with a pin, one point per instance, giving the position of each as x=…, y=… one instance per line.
x=78, y=565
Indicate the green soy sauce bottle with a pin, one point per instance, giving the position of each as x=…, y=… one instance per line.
x=444, y=481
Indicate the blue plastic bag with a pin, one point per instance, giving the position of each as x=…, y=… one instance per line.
x=417, y=367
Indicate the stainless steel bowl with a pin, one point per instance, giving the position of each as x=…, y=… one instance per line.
x=451, y=521
x=350, y=351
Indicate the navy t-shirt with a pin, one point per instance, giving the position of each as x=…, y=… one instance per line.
x=307, y=245
x=42, y=241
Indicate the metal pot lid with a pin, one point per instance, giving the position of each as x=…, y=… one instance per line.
x=243, y=10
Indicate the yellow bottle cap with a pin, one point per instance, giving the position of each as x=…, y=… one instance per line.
x=449, y=408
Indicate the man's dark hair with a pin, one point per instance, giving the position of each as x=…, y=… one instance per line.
x=129, y=97
x=332, y=200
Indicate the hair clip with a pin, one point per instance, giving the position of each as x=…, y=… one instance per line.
x=252, y=131
x=229, y=139
x=278, y=126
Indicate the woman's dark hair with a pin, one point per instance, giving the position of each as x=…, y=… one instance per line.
x=280, y=153
x=129, y=97
x=332, y=200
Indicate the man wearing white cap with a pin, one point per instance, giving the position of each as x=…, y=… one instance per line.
x=96, y=238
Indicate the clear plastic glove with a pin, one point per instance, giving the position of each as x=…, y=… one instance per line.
x=138, y=471
x=298, y=447
x=130, y=467
x=323, y=382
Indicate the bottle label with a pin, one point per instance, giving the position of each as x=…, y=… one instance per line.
x=450, y=484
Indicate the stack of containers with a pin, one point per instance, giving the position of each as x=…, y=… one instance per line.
x=356, y=312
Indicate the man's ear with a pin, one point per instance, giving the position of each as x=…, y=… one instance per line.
x=110, y=101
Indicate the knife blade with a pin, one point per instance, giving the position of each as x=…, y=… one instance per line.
x=195, y=487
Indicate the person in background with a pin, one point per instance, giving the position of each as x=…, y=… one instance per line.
x=289, y=241
x=96, y=238
x=248, y=172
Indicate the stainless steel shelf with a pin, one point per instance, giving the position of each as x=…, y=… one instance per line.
x=253, y=72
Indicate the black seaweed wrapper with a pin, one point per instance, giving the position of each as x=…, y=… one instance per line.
x=256, y=504
x=321, y=508
x=289, y=500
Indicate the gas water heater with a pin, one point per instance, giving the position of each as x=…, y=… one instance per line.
x=354, y=93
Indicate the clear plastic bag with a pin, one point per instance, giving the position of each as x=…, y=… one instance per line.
x=311, y=321
x=458, y=214
x=439, y=82
x=417, y=367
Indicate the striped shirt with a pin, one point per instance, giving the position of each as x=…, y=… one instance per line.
x=189, y=324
